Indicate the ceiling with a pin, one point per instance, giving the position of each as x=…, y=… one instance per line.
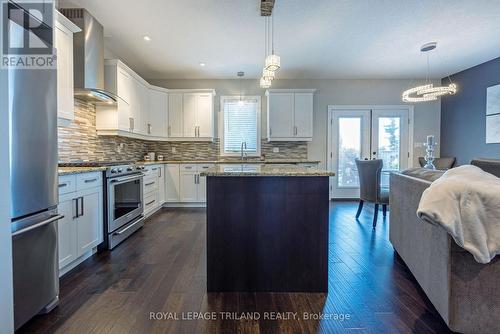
x=316, y=39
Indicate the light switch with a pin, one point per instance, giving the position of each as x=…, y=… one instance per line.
x=276, y=149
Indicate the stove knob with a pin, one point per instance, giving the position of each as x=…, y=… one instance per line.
x=113, y=171
x=129, y=169
x=120, y=170
x=138, y=167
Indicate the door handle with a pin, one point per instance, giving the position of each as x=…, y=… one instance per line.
x=62, y=185
x=75, y=208
x=81, y=206
x=90, y=180
x=40, y=224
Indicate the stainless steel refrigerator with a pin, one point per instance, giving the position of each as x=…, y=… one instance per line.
x=34, y=194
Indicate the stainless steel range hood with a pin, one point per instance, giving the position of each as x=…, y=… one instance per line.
x=88, y=57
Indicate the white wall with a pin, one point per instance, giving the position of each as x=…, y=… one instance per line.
x=6, y=294
x=330, y=92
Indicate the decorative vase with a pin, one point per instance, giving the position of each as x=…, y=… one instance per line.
x=429, y=149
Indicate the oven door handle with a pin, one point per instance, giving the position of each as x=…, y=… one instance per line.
x=125, y=179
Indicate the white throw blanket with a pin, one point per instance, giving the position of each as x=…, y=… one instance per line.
x=465, y=201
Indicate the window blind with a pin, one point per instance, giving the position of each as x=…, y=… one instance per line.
x=240, y=125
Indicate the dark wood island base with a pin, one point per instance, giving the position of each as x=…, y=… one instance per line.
x=267, y=233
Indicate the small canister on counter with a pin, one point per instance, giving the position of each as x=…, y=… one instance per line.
x=152, y=156
x=160, y=157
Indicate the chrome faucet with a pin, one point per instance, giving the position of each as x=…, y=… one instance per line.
x=244, y=154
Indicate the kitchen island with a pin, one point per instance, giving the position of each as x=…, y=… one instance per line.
x=267, y=228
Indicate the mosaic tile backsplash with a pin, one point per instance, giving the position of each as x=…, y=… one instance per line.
x=79, y=142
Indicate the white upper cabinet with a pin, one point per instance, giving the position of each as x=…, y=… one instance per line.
x=303, y=113
x=64, y=47
x=153, y=113
x=157, y=114
x=175, y=128
x=280, y=115
x=191, y=115
x=204, y=115
x=290, y=114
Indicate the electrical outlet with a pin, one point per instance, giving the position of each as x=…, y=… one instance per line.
x=174, y=150
x=276, y=150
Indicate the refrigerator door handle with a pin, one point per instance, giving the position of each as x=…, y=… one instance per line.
x=40, y=224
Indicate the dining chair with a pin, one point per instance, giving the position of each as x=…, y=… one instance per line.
x=440, y=163
x=369, y=185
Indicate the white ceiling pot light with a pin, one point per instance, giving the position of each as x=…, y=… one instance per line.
x=427, y=91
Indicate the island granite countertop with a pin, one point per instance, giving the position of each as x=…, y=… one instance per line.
x=263, y=170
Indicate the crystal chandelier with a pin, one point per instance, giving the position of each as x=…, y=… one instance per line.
x=272, y=61
x=268, y=75
x=265, y=83
x=427, y=91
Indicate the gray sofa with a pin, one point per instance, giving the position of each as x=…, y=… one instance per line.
x=465, y=293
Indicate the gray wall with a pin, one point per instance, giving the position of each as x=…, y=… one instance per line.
x=330, y=92
x=463, y=126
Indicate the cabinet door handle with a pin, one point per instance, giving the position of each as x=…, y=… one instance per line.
x=159, y=173
x=194, y=178
x=149, y=184
x=270, y=131
x=62, y=185
x=131, y=123
x=75, y=208
x=195, y=131
x=90, y=180
x=81, y=206
x=169, y=130
x=149, y=203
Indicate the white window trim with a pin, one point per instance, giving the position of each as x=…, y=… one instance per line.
x=221, y=124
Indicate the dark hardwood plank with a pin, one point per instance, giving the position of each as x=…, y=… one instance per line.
x=162, y=268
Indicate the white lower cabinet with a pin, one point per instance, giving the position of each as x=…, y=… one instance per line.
x=153, y=188
x=189, y=186
x=81, y=229
x=172, y=183
x=192, y=184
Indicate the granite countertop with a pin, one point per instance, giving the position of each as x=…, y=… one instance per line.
x=79, y=170
x=263, y=170
x=232, y=161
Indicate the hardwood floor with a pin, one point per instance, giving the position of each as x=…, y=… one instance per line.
x=162, y=269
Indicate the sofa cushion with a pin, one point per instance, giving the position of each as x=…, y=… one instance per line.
x=424, y=174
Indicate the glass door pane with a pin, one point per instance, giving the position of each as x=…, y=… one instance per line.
x=389, y=142
x=349, y=149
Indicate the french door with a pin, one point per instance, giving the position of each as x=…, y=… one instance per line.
x=366, y=134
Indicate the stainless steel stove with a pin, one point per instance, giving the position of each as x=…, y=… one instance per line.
x=124, y=202
x=123, y=214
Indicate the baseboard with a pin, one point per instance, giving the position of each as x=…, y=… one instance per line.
x=74, y=264
x=185, y=205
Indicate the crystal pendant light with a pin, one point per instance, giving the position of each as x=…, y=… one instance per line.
x=273, y=61
x=427, y=91
x=265, y=83
x=268, y=75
